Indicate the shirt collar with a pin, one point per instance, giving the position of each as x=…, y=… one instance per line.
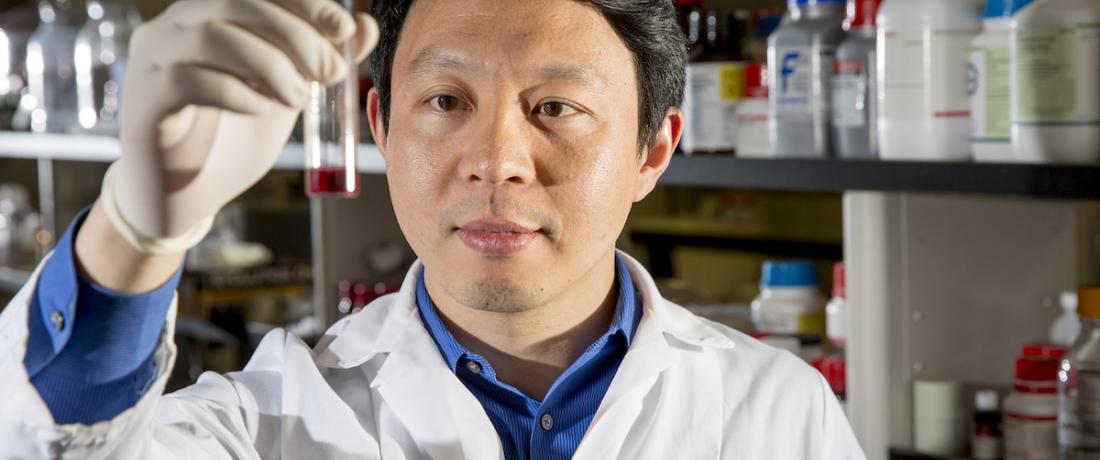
x=625, y=321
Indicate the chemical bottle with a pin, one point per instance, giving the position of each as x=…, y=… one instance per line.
x=854, y=117
x=1056, y=93
x=1031, y=409
x=834, y=365
x=800, y=63
x=715, y=84
x=101, y=54
x=990, y=95
x=752, y=122
x=986, y=442
x=1065, y=329
x=924, y=108
x=789, y=301
x=51, y=79
x=1079, y=384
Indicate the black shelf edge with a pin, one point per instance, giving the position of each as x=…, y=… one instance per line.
x=834, y=175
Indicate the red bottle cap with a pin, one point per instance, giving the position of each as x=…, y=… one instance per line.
x=833, y=369
x=839, y=281
x=1037, y=369
x=756, y=81
x=689, y=3
x=1043, y=350
x=861, y=13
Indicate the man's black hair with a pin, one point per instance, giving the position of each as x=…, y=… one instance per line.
x=647, y=27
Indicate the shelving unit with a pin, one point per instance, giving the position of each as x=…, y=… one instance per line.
x=910, y=230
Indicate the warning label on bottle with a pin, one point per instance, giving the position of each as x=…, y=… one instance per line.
x=850, y=96
x=1056, y=70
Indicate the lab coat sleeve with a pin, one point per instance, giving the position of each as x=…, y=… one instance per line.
x=838, y=438
x=216, y=418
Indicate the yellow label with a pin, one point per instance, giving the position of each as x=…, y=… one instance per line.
x=731, y=82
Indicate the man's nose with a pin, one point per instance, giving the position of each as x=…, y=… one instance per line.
x=506, y=151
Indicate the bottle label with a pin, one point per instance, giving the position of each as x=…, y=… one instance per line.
x=1079, y=410
x=925, y=75
x=1029, y=437
x=1056, y=70
x=793, y=90
x=990, y=97
x=850, y=102
x=949, y=82
x=780, y=322
x=985, y=447
x=902, y=73
x=710, y=103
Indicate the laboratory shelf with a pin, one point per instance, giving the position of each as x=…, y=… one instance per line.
x=830, y=175
x=79, y=147
x=11, y=280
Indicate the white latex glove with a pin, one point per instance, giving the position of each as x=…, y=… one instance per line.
x=213, y=89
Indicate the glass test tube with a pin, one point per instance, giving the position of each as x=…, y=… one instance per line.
x=331, y=131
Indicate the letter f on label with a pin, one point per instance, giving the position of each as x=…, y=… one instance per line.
x=786, y=70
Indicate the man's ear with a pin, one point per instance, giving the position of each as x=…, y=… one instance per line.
x=377, y=124
x=657, y=155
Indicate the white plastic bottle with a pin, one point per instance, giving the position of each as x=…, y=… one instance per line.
x=924, y=107
x=1055, y=50
x=789, y=300
x=990, y=96
x=752, y=122
x=1067, y=327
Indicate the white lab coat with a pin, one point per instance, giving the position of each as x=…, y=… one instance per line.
x=377, y=387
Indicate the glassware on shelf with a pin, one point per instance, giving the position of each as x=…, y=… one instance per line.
x=100, y=61
x=50, y=69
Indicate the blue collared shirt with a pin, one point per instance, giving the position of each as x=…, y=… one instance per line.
x=90, y=350
x=551, y=428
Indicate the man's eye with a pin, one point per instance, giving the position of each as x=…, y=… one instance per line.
x=445, y=103
x=555, y=109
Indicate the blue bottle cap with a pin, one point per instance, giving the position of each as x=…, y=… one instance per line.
x=995, y=9
x=788, y=273
x=1012, y=6
x=794, y=3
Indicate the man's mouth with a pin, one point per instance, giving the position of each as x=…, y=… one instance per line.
x=496, y=236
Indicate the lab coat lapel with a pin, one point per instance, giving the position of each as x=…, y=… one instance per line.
x=414, y=380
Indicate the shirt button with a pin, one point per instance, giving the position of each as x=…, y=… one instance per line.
x=473, y=367
x=547, y=422
x=58, y=320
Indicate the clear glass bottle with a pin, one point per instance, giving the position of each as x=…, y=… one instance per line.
x=1079, y=384
x=100, y=58
x=50, y=71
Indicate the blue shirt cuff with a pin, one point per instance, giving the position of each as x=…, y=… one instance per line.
x=87, y=330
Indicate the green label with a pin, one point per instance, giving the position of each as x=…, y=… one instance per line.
x=1046, y=74
x=998, y=102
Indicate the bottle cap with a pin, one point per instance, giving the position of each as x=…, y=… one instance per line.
x=793, y=273
x=986, y=400
x=756, y=81
x=795, y=3
x=996, y=9
x=1037, y=369
x=1012, y=6
x=1068, y=301
x=1043, y=350
x=839, y=282
x=1088, y=301
x=861, y=13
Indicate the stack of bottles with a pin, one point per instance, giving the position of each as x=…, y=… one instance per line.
x=75, y=63
x=909, y=80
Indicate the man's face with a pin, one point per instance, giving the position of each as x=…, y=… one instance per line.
x=512, y=153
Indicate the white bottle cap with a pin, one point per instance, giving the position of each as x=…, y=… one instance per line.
x=986, y=400
x=1069, y=301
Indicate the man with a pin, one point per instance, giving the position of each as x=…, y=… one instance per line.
x=517, y=135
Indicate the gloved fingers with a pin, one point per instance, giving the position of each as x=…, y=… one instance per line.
x=366, y=36
x=230, y=49
x=194, y=84
x=317, y=57
x=327, y=16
